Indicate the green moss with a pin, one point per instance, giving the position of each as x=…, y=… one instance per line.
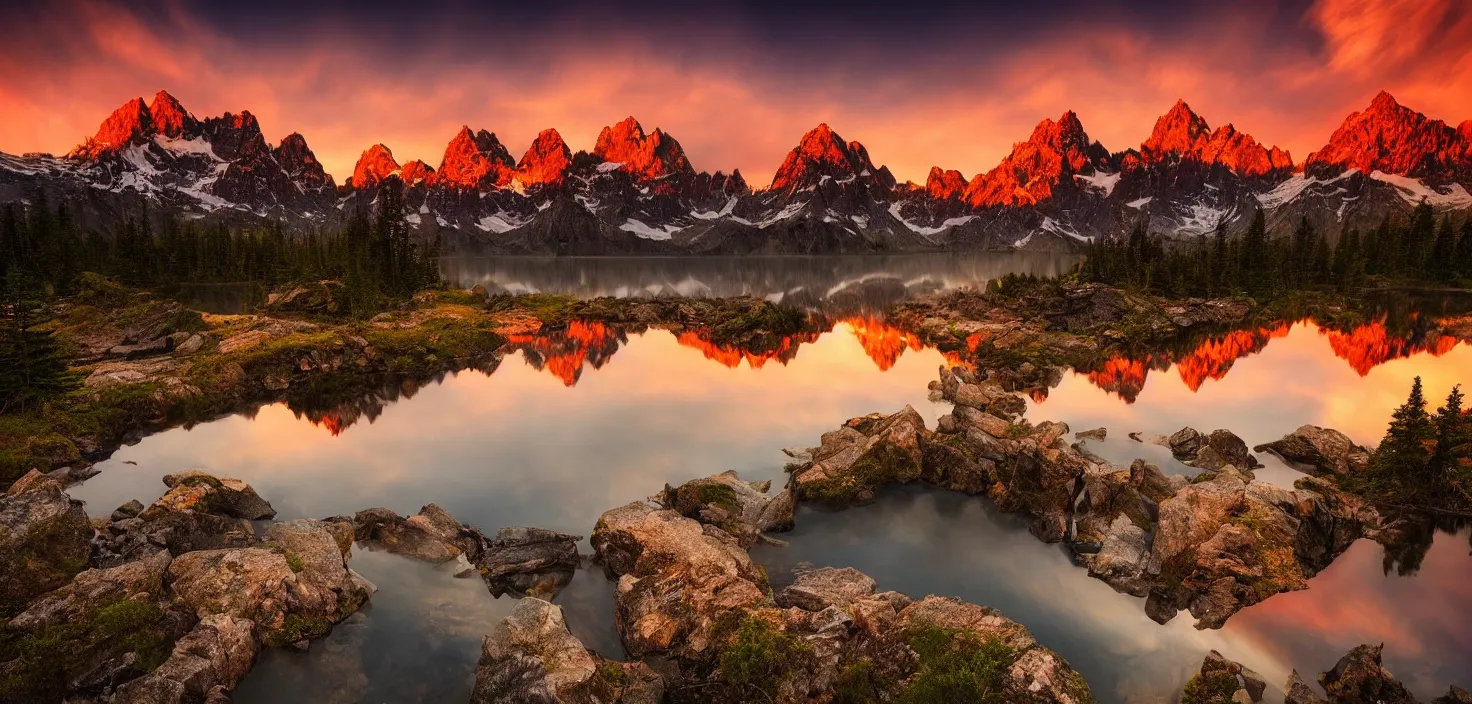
x=957, y=666
x=860, y=683
x=48, y=658
x=1213, y=688
x=885, y=463
x=294, y=561
x=295, y=627
x=612, y=673
x=759, y=656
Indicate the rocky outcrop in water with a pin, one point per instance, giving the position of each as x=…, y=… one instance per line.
x=1221, y=681
x=531, y=658
x=690, y=597
x=1319, y=451
x=723, y=502
x=517, y=560
x=1210, y=452
x=180, y=597
x=1211, y=545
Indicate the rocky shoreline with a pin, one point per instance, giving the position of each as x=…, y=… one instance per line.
x=173, y=602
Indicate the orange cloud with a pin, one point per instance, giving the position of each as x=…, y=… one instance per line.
x=732, y=106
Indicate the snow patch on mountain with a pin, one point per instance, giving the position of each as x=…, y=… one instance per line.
x=498, y=223
x=1100, y=181
x=1139, y=202
x=713, y=215
x=894, y=210
x=1415, y=190
x=1289, y=190
x=647, y=232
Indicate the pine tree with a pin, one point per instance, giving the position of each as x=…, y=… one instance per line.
x=1255, y=259
x=1453, y=442
x=1461, y=267
x=1301, y=248
x=1402, y=454
x=1322, y=268
x=33, y=368
x=1418, y=240
x=1440, y=262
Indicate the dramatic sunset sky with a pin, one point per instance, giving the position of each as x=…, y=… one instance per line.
x=737, y=83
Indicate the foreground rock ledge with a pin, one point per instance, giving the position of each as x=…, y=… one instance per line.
x=179, y=598
x=1211, y=545
x=692, y=604
x=1358, y=678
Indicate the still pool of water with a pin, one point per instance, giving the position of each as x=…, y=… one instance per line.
x=571, y=425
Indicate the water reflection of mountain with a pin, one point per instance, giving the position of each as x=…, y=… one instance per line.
x=567, y=351
x=835, y=285
x=1363, y=347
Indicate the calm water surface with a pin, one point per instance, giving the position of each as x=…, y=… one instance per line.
x=566, y=428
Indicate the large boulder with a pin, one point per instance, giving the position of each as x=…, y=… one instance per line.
x=198, y=491
x=1319, y=451
x=45, y=539
x=1210, y=452
x=431, y=535
x=676, y=581
x=92, y=590
x=1360, y=678
x=199, y=512
x=525, y=560
x=1035, y=673
x=294, y=589
x=205, y=665
x=531, y=658
x=815, y=590
x=1296, y=691
x=740, y=508
x=1222, y=681
x=865, y=454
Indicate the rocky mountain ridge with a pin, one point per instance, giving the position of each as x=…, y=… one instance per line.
x=637, y=192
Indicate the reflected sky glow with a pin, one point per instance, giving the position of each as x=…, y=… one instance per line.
x=566, y=428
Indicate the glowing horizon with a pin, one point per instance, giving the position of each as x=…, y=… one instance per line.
x=735, y=89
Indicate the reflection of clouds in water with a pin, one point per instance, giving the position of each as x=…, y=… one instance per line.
x=1425, y=621
x=519, y=448
x=928, y=542
x=417, y=640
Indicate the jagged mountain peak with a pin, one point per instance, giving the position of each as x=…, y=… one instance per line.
x=473, y=160
x=646, y=156
x=170, y=118
x=416, y=171
x=945, y=184
x=546, y=160
x=1180, y=130
x=131, y=123
x=1395, y=139
x=821, y=152
x=1036, y=169
x=1184, y=134
x=376, y=164
x=300, y=165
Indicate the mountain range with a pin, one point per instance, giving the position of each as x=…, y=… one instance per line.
x=636, y=192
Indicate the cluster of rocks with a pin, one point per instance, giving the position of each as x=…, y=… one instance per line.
x=703, y=619
x=1210, y=452
x=518, y=560
x=1211, y=545
x=1319, y=451
x=1358, y=678
x=168, y=603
